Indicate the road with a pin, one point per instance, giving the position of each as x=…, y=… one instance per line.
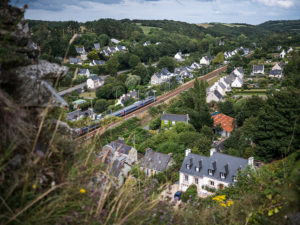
x=158, y=101
x=69, y=90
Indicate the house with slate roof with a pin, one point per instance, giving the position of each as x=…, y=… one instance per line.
x=258, y=70
x=78, y=114
x=84, y=72
x=204, y=61
x=75, y=61
x=178, y=57
x=80, y=50
x=155, y=162
x=115, y=41
x=120, y=157
x=169, y=120
x=94, y=82
x=159, y=78
x=97, y=62
x=282, y=54
x=276, y=71
x=216, y=171
x=131, y=94
x=214, y=95
x=97, y=46
x=226, y=123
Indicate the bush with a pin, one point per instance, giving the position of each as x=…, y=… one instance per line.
x=155, y=124
x=190, y=193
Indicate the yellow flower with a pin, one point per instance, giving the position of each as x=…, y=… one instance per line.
x=34, y=186
x=82, y=191
x=222, y=204
x=229, y=202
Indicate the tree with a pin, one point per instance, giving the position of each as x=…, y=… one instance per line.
x=190, y=193
x=134, y=61
x=167, y=62
x=226, y=108
x=103, y=39
x=219, y=59
x=128, y=101
x=112, y=65
x=100, y=105
x=142, y=71
x=263, y=83
x=132, y=81
x=155, y=124
x=93, y=55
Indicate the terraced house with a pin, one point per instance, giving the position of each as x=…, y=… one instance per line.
x=216, y=171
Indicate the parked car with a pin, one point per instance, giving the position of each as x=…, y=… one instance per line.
x=178, y=195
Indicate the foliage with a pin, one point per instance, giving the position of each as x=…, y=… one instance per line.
x=100, y=105
x=155, y=124
x=219, y=59
x=190, y=193
x=132, y=81
x=167, y=62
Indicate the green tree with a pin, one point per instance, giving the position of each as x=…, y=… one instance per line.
x=190, y=193
x=112, y=65
x=219, y=59
x=134, y=61
x=128, y=101
x=100, y=105
x=142, y=71
x=103, y=39
x=155, y=124
x=93, y=55
x=132, y=81
x=226, y=108
x=167, y=62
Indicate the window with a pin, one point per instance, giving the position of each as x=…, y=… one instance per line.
x=196, y=180
x=188, y=166
x=210, y=172
x=222, y=175
x=147, y=172
x=173, y=122
x=212, y=183
x=197, y=169
x=186, y=177
x=166, y=122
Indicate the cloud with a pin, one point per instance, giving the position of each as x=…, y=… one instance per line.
x=280, y=3
x=193, y=11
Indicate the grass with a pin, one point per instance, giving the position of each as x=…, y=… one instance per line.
x=88, y=94
x=147, y=29
x=205, y=25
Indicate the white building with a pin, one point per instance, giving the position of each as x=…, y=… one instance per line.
x=216, y=171
x=282, y=54
x=94, y=82
x=204, y=61
x=84, y=72
x=178, y=57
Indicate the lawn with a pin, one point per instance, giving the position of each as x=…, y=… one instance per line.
x=88, y=94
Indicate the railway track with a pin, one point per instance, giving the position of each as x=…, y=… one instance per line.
x=158, y=101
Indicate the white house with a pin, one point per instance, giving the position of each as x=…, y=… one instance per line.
x=115, y=41
x=204, y=61
x=80, y=50
x=214, y=95
x=258, y=70
x=84, y=72
x=216, y=171
x=75, y=61
x=164, y=76
x=131, y=94
x=195, y=66
x=178, y=57
x=147, y=43
x=94, y=82
x=155, y=162
x=239, y=72
x=237, y=83
x=282, y=54
x=290, y=50
x=97, y=46
x=97, y=62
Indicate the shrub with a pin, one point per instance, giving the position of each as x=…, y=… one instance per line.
x=190, y=193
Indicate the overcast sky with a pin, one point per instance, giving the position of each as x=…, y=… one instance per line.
x=192, y=11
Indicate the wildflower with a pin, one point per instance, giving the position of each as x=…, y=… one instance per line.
x=229, y=202
x=222, y=204
x=82, y=191
x=34, y=186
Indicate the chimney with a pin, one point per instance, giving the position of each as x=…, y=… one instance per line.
x=251, y=161
x=187, y=152
x=212, y=151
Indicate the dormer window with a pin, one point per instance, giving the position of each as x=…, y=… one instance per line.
x=188, y=166
x=222, y=175
x=197, y=169
x=210, y=172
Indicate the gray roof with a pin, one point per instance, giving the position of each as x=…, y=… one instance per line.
x=165, y=71
x=275, y=72
x=155, y=160
x=218, y=162
x=217, y=94
x=229, y=79
x=95, y=77
x=258, y=67
x=77, y=113
x=74, y=60
x=99, y=62
x=240, y=69
x=79, y=49
x=97, y=45
x=120, y=146
x=222, y=85
x=174, y=117
x=82, y=71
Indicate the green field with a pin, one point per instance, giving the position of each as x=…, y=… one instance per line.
x=147, y=29
x=88, y=94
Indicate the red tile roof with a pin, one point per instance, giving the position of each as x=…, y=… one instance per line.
x=224, y=121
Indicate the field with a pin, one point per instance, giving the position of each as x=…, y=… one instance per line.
x=147, y=29
x=88, y=95
x=205, y=25
x=233, y=25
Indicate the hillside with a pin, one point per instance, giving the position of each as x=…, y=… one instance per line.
x=281, y=26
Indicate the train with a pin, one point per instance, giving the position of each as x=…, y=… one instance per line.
x=119, y=113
